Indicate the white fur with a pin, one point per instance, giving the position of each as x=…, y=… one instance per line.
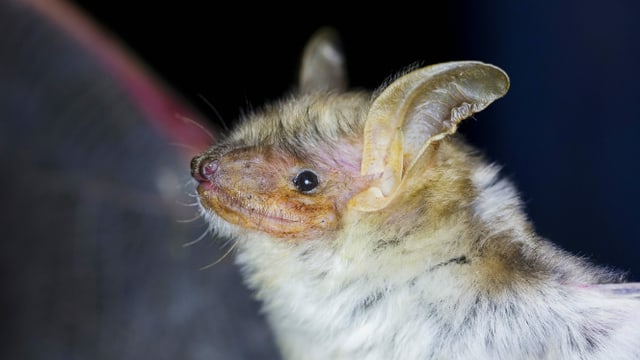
x=315, y=298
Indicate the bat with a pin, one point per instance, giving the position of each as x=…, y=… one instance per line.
x=94, y=260
x=370, y=229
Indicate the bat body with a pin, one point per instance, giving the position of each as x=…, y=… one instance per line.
x=370, y=230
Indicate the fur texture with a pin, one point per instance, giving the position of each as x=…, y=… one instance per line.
x=449, y=268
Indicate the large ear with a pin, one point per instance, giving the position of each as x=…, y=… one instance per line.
x=414, y=111
x=323, y=65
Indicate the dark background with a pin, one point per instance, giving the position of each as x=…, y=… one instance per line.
x=92, y=263
x=567, y=133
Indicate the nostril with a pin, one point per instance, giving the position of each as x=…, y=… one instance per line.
x=208, y=168
x=203, y=169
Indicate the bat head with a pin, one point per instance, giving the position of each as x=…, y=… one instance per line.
x=295, y=169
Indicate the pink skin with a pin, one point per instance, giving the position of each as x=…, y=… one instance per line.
x=251, y=189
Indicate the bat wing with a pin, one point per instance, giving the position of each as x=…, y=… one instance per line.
x=93, y=264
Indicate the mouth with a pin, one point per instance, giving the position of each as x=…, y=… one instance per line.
x=252, y=212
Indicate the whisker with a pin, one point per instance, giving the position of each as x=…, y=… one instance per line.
x=193, y=195
x=193, y=204
x=185, y=221
x=187, y=244
x=196, y=124
x=221, y=258
x=215, y=112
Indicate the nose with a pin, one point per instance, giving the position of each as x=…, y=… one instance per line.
x=203, y=168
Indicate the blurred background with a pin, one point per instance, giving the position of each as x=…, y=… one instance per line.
x=93, y=262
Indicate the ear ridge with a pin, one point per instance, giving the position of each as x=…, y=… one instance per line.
x=419, y=108
x=474, y=88
x=323, y=66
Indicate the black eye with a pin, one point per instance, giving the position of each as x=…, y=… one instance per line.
x=306, y=181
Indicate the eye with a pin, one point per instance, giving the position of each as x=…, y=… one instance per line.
x=306, y=181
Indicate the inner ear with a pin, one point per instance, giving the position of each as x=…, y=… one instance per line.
x=323, y=65
x=414, y=111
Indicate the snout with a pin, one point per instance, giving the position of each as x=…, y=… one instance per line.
x=203, y=168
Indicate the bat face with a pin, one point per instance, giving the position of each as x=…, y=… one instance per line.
x=266, y=191
x=293, y=185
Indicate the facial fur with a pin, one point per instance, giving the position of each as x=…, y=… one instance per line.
x=256, y=167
